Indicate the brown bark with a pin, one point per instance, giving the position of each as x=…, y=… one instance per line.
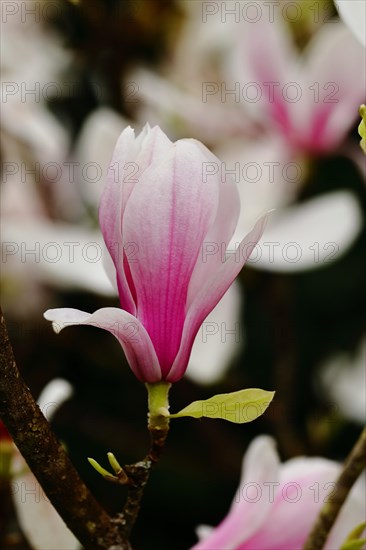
x=48, y=460
x=353, y=467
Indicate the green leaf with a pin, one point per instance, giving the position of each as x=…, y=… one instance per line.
x=362, y=128
x=355, y=544
x=102, y=471
x=239, y=406
x=353, y=541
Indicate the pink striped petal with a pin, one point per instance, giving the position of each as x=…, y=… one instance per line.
x=130, y=159
x=253, y=501
x=168, y=216
x=213, y=290
x=304, y=485
x=221, y=231
x=268, y=56
x=333, y=81
x=110, y=213
x=283, y=504
x=125, y=327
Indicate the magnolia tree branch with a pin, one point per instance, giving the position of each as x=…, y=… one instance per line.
x=353, y=467
x=48, y=460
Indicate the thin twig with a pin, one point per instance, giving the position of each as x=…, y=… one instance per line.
x=353, y=467
x=139, y=473
x=48, y=460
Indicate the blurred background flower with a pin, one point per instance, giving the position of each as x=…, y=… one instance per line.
x=276, y=505
x=75, y=73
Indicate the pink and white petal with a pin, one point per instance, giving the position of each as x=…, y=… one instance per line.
x=249, y=510
x=53, y=395
x=130, y=159
x=332, y=79
x=218, y=340
x=305, y=483
x=343, y=379
x=128, y=330
x=111, y=208
x=353, y=13
x=223, y=227
x=95, y=144
x=63, y=254
x=41, y=524
x=267, y=177
x=215, y=287
x=309, y=235
x=183, y=112
x=152, y=147
x=265, y=58
x=168, y=215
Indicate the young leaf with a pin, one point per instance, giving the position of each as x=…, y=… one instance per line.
x=362, y=128
x=239, y=406
x=355, y=544
x=353, y=541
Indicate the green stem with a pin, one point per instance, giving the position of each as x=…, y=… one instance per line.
x=158, y=403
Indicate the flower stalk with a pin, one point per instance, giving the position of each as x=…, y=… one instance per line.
x=158, y=403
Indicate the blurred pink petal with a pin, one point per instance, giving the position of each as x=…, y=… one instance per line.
x=343, y=378
x=219, y=339
x=276, y=505
x=332, y=77
x=311, y=98
x=311, y=234
x=40, y=523
x=353, y=13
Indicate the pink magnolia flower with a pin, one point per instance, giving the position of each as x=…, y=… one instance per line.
x=166, y=224
x=276, y=504
x=310, y=99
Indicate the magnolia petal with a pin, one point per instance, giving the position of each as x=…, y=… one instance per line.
x=128, y=330
x=353, y=13
x=218, y=340
x=40, y=523
x=210, y=294
x=167, y=104
x=222, y=229
x=168, y=215
x=95, y=145
x=304, y=485
x=130, y=159
x=110, y=212
x=309, y=235
x=343, y=378
x=333, y=75
x=63, y=254
x=56, y=392
x=265, y=57
x=295, y=506
x=266, y=175
x=248, y=513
